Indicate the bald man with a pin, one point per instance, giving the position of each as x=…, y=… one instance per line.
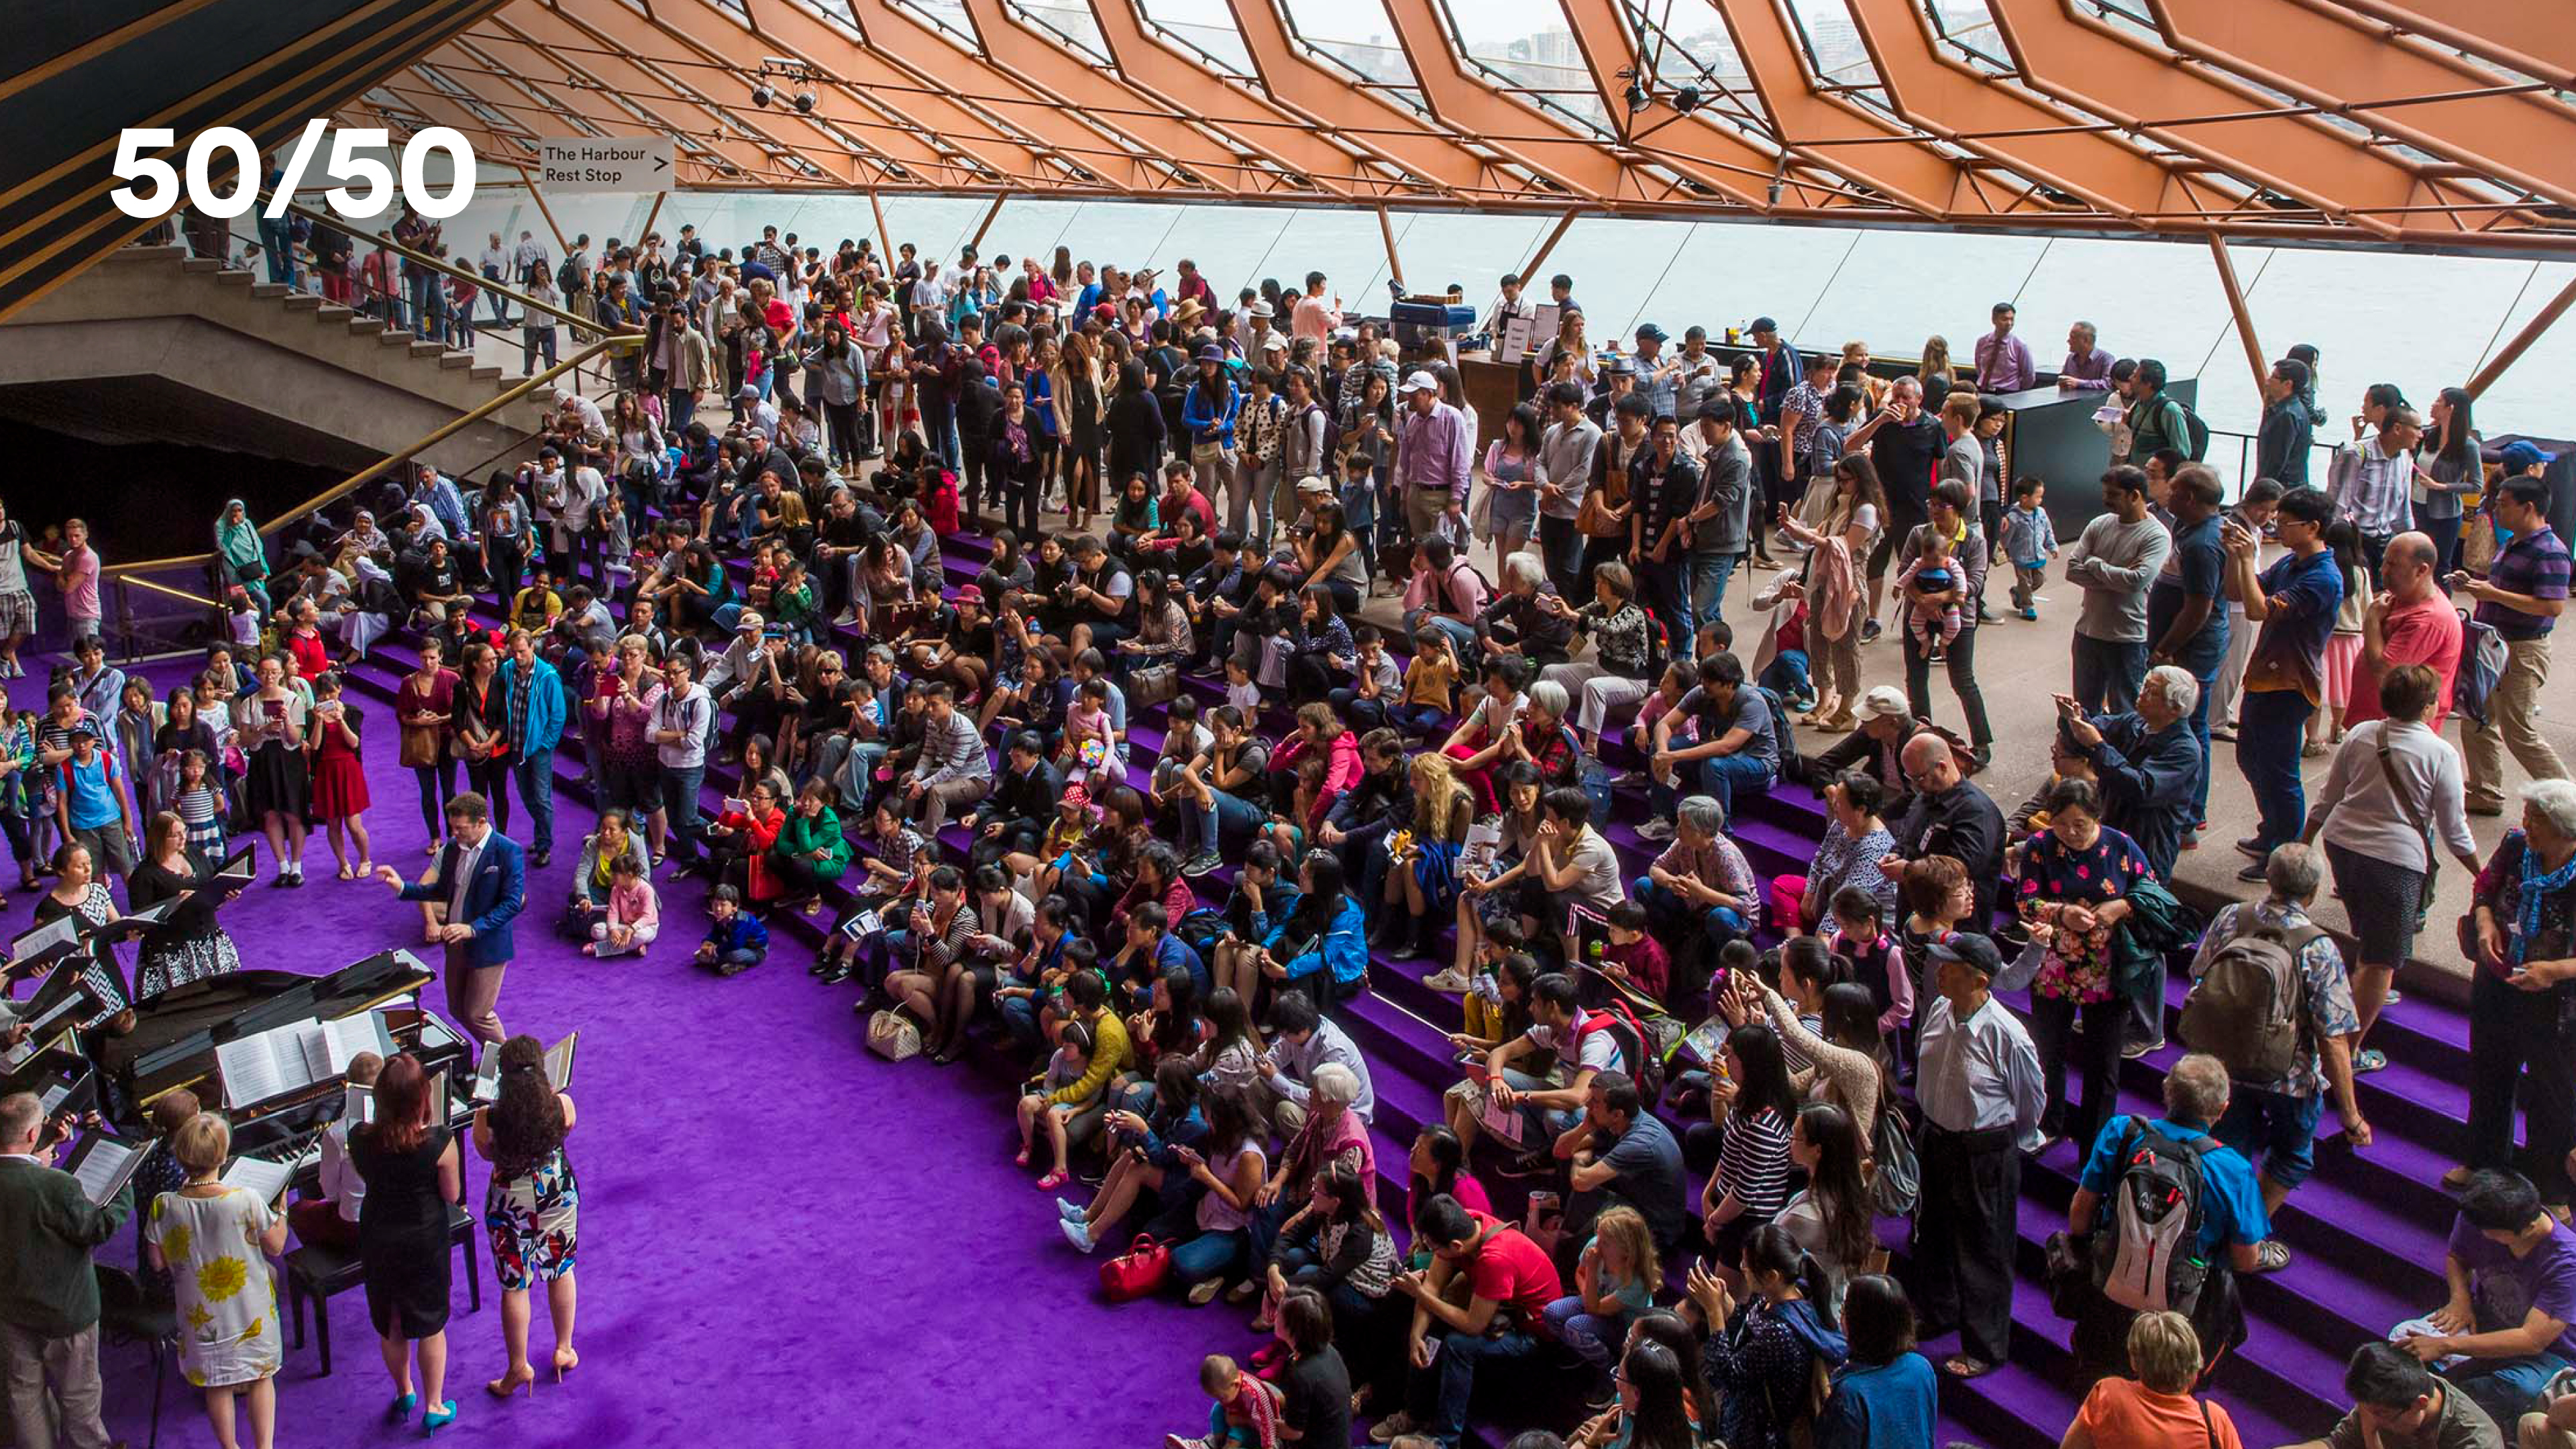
x=2410, y=622
x=1949, y=816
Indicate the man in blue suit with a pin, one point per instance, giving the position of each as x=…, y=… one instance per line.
x=536, y=699
x=482, y=879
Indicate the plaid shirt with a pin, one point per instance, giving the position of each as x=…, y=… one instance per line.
x=2328, y=991
x=2535, y=563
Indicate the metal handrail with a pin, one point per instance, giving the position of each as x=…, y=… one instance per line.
x=377, y=469
x=182, y=594
x=438, y=264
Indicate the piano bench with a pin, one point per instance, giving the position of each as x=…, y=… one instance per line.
x=317, y=1272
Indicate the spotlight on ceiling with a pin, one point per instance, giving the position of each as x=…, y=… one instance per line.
x=1638, y=100
x=762, y=95
x=804, y=103
x=1686, y=100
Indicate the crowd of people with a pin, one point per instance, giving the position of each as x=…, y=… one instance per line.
x=736, y=571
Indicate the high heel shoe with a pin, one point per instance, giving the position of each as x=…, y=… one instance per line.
x=565, y=1362
x=508, y=1384
x=400, y=1409
x=438, y=1418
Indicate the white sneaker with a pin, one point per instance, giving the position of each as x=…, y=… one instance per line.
x=1202, y=1294
x=1080, y=1236
x=1654, y=830
x=1068, y=1211
x=1448, y=979
x=846, y=619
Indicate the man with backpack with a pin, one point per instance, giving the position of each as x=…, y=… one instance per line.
x=2159, y=1202
x=2156, y=420
x=2271, y=1003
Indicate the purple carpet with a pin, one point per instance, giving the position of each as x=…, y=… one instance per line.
x=783, y=1237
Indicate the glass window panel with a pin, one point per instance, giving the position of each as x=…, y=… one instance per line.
x=838, y=12
x=1233, y=256
x=949, y=16
x=1969, y=27
x=1726, y=273
x=2531, y=397
x=1205, y=26
x=1067, y=20
x=1616, y=265
x=1344, y=245
x=1897, y=288
x=1440, y=247
x=1525, y=47
x=1355, y=33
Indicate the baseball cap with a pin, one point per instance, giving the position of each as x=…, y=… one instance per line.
x=1419, y=381
x=1763, y=324
x=748, y=392
x=2521, y=456
x=1311, y=484
x=1970, y=949
x=1274, y=343
x=750, y=622
x=1648, y=330
x=1885, y=702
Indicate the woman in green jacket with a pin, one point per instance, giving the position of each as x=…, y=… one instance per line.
x=811, y=852
x=242, y=553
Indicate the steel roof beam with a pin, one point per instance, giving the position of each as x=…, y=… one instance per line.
x=2534, y=38
x=1240, y=112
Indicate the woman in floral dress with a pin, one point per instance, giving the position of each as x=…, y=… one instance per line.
x=532, y=1206
x=2075, y=879
x=215, y=1242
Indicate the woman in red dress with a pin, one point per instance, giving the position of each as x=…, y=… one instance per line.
x=339, y=780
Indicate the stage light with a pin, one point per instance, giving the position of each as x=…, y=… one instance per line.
x=804, y=103
x=1638, y=100
x=762, y=95
x=1686, y=100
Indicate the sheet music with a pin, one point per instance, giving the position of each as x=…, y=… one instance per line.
x=237, y=870
x=358, y=1104
x=59, y=932
x=332, y=1045
x=269, y=1064
x=261, y=1176
x=487, y=1077
x=53, y=1097
x=101, y=1165
x=559, y=1061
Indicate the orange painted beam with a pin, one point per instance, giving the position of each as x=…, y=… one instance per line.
x=2526, y=35
x=532, y=35
x=2328, y=56
x=1327, y=98
x=1150, y=67
x=1471, y=106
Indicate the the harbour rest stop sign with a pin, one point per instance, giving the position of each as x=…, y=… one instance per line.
x=610, y=163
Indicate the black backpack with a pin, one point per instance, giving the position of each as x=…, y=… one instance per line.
x=1784, y=735
x=2146, y=1244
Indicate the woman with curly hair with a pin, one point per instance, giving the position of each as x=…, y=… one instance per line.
x=532, y=1208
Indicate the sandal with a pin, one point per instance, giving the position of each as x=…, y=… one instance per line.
x=2369, y=1059
x=2272, y=1256
x=1961, y=1366
x=2456, y=1178
x=1053, y=1180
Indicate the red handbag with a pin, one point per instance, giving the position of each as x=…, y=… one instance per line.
x=1141, y=1270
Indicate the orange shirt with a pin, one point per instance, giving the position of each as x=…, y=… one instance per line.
x=2126, y=1414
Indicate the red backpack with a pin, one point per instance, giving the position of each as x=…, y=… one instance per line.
x=939, y=505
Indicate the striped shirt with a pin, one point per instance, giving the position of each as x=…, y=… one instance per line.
x=1754, y=1163
x=2535, y=563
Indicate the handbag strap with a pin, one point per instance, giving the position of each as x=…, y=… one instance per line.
x=2414, y=813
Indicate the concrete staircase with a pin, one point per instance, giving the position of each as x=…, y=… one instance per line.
x=2366, y=1232
x=197, y=352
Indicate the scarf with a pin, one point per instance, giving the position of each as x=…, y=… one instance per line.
x=2537, y=887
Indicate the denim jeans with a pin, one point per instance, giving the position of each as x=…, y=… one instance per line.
x=2107, y=674
x=1560, y=549
x=1708, y=574
x=2273, y=725
x=1718, y=775
x=1226, y=818
x=1589, y=1335
x=2200, y=732
x=1462, y=637
x=1667, y=914
x=1437, y=1396
x=1209, y=1255
x=536, y=772
x=680, y=804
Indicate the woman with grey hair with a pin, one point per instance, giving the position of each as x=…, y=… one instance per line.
x=1526, y=615
x=1333, y=1136
x=2395, y=788
x=1621, y=669
x=2522, y=1006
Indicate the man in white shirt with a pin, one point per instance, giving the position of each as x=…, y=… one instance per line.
x=1979, y=1085
x=679, y=733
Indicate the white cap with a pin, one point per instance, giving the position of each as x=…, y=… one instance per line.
x=1419, y=381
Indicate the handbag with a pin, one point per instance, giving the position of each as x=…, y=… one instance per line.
x=892, y=1036
x=1152, y=685
x=1142, y=1269
x=1480, y=514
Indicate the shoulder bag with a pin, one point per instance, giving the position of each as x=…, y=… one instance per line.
x=2423, y=829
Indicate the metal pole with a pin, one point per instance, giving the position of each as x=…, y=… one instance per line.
x=2523, y=339
x=2244, y=320
x=885, y=238
x=1386, y=229
x=540, y=198
x=658, y=198
x=1539, y=257
x=978, y=240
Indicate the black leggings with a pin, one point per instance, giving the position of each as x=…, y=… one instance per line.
x=437, y=787
x=1962, y=664
x=491, y=779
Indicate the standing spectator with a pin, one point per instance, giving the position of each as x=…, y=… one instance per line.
x=2397, y=1403
x=2392, y=797
x=2521, y=597
x=18, y=602
x=2294, y=601
x=2148, y=765
x=1981, y=1093
x=534, y=696
x=2187, y=613
x=1953, y=516
x=1565, y=453
x=531, y=1206
x=414, y=1176
x=2003, y=361
x=48, y=1284
x=2154, y=1410
x=2075, y=880
x=2372, y=482
x=422, y=706
x=1431, y=457
x=76, y=575
x=682, y=717
x=2511, y=1315
x=2286, y=434
x=2522, y=1008
x=2409, y=621
x=2117, y=558
x=1884, y=1395
x=269, y=727
x=215, y=1241
x=339, y=778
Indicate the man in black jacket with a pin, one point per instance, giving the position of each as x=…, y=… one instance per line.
x=1015, y=816
x=1948, y=816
